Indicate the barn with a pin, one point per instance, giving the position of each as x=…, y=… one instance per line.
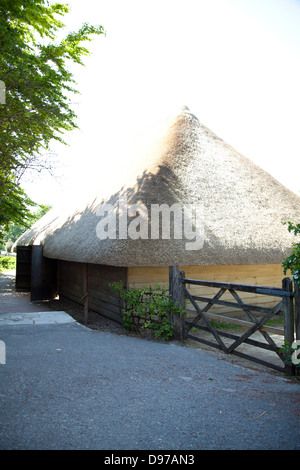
x=188, y=198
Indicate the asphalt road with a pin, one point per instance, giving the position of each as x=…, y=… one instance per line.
x=64, y=386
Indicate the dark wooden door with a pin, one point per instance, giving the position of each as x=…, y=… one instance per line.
x=43, y=275
x=23, y=268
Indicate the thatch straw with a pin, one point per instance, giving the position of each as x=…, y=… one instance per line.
x=181, y=161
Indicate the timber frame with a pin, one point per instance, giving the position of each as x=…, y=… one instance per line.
x=288, y=303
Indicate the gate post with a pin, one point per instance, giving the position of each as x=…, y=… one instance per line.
x=85, y=294
x=297, y=309
x=288, y=310
x=177, y=295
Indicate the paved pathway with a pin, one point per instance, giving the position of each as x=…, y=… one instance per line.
x=64, y=386
x=35, y=318
x=16, y=308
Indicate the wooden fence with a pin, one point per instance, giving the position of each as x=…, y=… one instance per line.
x=287, y=304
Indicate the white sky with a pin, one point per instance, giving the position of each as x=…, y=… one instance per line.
x=234, y=63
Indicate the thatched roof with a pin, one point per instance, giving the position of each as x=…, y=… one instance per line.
x=181, y=161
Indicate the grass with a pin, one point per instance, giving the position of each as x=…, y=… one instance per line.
x=277, y=320
x=7, y=263
x=220, y=324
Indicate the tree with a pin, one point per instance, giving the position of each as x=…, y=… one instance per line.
x=292, y=262
x=14, y=207
x=38, y=89
x=15, y=230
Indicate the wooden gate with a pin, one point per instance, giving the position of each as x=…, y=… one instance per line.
x=256, y=315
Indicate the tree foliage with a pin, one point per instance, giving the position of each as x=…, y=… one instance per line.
x=14, y=207
x=34, y=66
x=292, y=262
x=15, y=230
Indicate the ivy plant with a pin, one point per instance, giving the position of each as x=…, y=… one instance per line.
x=292, y=262
x=146, y=307
x=291, y=354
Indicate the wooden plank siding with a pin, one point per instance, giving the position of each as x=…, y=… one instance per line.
x=100, y=297
x=264, y=275
x=71, y=281
x=269, y=275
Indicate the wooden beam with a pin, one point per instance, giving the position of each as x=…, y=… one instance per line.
x=237, y=321
x=273, y=291
x=85, y=293
x=297, y=310
x=288, y=311
x=232, y=304
x=176, y=294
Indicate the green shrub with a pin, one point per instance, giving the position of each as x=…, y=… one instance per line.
x=290, y=354
x=7, y=263
x=292, y=262
x=146, y=308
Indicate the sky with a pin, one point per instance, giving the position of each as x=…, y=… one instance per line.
x=234, y=63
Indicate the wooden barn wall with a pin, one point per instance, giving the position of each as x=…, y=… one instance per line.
x=101, y=300
x=265, y=275
x=100, y=297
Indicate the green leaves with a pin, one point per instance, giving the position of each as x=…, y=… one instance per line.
x=7, y=263
x=39, y=86
x=290, y=353
x=292, y=262
x=14, y=208
x=146, y=308
x=16, y=228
